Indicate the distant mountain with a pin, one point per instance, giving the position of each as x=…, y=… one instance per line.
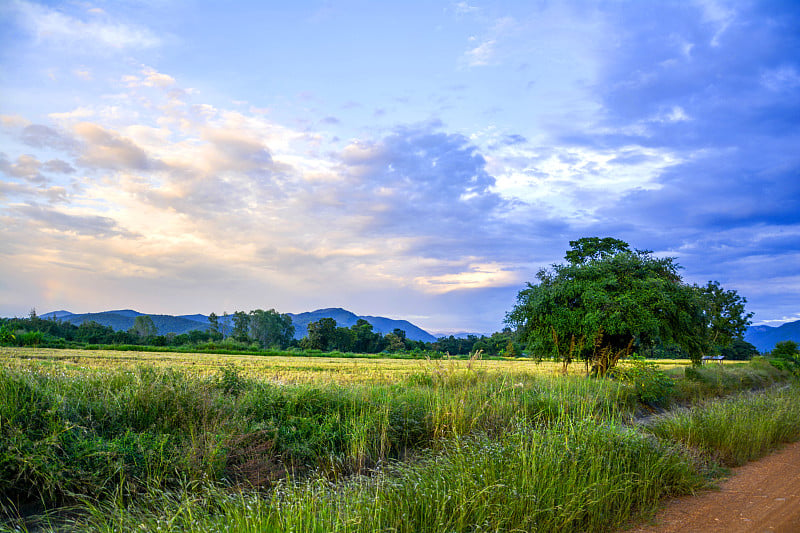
x=55, y=314
x=123, y=320
x=460, y=334
x=203, y=319
x=346, y=319
x=764, y=338
x=130, y=313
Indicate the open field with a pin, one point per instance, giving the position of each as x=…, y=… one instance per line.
x=281, y=368
x=111, y=441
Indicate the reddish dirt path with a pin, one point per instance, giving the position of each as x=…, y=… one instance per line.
x=760, y=496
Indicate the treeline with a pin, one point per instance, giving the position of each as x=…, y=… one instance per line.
x=250, y=331
x=36, y=331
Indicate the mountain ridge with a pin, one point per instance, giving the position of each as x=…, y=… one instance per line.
x=122, y=319
x=764, y=338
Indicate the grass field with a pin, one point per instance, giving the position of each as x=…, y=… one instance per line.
x=283, y=369
x=112, y=441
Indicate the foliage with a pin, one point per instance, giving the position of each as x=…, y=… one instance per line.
x=590, y=249
x=321, y=335
x=271, y=329
x=365, y=340
x=503, y=449
x=725, y=315
x=736, y=429
x=241, y=325
x=601, y=308
x=213, y=323
x=739, y=350
x=230, y=380
x=6, y=335
x=786, y=350
x=653, y=386
x=144, y=327
x=609, y=301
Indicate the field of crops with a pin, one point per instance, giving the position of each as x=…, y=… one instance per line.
x=114, y=441
x=282, y=368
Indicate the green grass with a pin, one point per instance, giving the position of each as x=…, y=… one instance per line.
x=737, y=429
x=439, y=446
x=574, y=476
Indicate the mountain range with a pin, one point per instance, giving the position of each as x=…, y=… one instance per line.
x=122, y=319
x=764, y=338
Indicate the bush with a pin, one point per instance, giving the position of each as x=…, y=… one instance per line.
x=229, y=380
x=786, y=350
x=653, y=386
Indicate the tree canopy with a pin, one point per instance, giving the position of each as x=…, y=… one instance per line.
x=144, y=326
x=271, y=329
x=609, y=300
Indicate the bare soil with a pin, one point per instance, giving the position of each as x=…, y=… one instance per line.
x=760, y=496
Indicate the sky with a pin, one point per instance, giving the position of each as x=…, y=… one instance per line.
x=418, y=160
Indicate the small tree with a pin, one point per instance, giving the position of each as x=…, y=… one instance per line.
x=143, y=326
x=724, y=313
x=786, y=350
x=241, y=326
x=739, y=350
x=213, y=323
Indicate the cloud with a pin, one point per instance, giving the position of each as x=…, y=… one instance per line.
x=476, y=276
x=482, y=54
x=420, y=181
x=149, y=78
x=58, y=166
x=107, y=149
x=26, y=167
x=54, y=220
x=41, y=136
x=462, y=8
x=98, y=32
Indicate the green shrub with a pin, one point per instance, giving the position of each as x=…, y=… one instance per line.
x=230, y=380
x=653, y=386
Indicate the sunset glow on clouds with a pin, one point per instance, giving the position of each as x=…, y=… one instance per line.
x=408, y=160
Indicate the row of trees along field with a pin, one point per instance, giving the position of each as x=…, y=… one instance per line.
x=609, y=301
x=256, y=330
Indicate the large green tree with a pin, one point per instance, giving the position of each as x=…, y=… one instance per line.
x=608, y=301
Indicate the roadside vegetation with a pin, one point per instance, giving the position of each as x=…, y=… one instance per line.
x=443, y=447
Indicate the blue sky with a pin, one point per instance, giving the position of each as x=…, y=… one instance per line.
x=418, y=160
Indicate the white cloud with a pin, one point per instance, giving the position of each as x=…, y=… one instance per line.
x=481, y=55
x=51, y=25
x=464, y=7
x=784, y=78
x=475, y=276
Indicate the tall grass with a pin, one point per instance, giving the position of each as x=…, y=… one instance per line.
x=447, y=448
x=738, y=429
x=574, y=476
x=64, y=436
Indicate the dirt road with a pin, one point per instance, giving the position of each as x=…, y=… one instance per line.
x=761, y=496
